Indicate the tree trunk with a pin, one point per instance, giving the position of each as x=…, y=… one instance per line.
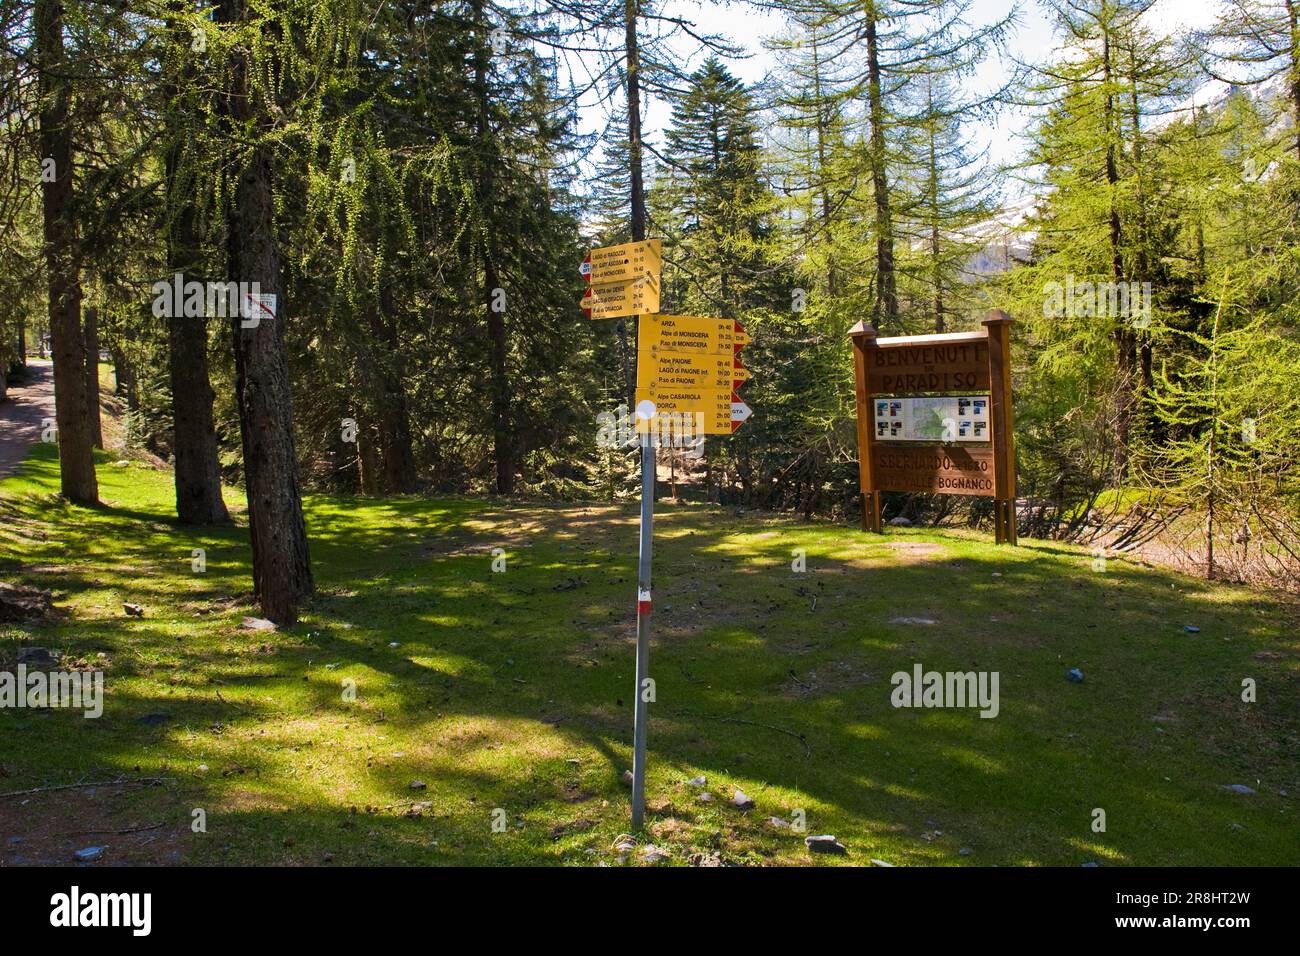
x=367, y=462
x=282, y=579
x=827, y=214
x=76, y=450
x=1293, y=25
x=194, y=443
x=932, y=196
x=1125, y=339
x=123, y=374
x=394, y=416
x=195, y=460
x=503, y=444
x=631, y=10
x=886, y=303
x=92, y=376
x=395, y=431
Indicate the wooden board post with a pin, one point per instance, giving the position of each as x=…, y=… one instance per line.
x=864, y=344
x=935, y=416
x=998, y=324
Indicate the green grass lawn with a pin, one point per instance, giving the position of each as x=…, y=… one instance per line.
x=513, y=691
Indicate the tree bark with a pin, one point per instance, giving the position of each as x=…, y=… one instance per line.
x=367, y=462
x=636, y=179
x=827, y=214
x=886, y=303
x=123, y=374
x=196, y=463
x=503, y=443
x=1124, y=337
x=92, y=376
x=282, y=579
x=1293, y=25
x=76, y=450
x=394, y=415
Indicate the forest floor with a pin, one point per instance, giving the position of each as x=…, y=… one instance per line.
x=487, y=698
x=23, y=412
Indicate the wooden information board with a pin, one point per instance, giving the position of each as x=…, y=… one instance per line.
x=903, y=367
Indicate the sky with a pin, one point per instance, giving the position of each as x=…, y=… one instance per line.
x=1032, y=40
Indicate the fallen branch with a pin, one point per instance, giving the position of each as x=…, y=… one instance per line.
x=80, y=786
x=751, y=723
x=152, y=826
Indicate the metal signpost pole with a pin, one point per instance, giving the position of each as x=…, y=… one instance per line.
x=643, y=627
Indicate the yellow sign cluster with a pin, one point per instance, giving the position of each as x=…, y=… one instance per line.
x=624, y=280
x=687, y=365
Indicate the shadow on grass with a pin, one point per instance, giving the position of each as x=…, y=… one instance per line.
x=512, y=690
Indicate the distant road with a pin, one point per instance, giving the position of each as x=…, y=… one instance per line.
x=21, y=415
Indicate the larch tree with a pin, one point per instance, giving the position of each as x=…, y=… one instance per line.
x=62, y=255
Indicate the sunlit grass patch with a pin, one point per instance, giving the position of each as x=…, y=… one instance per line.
x=512, y=691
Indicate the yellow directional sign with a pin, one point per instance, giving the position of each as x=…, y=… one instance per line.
x=714, y=411
x=689, y=333
x=687, y=369
x=709, y=407
x=631, y=260
x=609, y=300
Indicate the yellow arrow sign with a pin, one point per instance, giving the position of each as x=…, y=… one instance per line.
x=689, y=333
x=708, y=411
x=687, y=370
x=609, y=300
x=630, y=260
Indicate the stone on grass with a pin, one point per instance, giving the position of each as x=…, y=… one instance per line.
x=1191, y=629
x=699, y=781
x=133, y=610
x=256, y=624
x=627, y=777
x=90, y=854
x=742, y=800
x=418, y=785
x=875, y=862
x=901, y=522
x=653, y=854
x=38, y=656
x=1074, y=675
x=779, y=823
x=17, y=603
x=1240, y=788
x=824, y=843
x=913, y=620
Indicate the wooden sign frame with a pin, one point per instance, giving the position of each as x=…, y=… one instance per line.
x=913, y=365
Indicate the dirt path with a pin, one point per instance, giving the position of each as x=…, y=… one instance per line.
x=21, y=415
